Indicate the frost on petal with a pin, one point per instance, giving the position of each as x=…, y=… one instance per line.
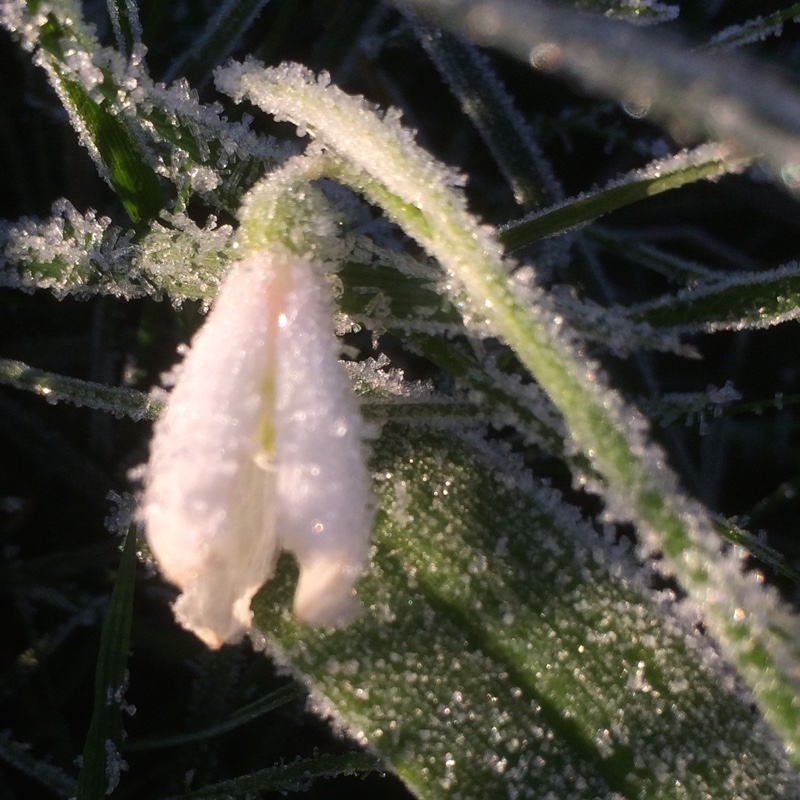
x=260, y=447
x=324, y=511
x=211, y=485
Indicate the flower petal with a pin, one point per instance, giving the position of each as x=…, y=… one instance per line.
x=324, y=514
x=260, y=446
x=208, y=504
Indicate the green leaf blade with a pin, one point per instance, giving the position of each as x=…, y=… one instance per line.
x=101, y=763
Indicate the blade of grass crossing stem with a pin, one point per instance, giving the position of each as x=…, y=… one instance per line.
x=705, y=163
x=277, y=699
x=294, y=777
x=101, y=761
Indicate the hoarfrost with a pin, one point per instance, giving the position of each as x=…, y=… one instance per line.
x=231, y=151
x=66, y=254
x=754, y=30
x=81, y=254
x=183, y=259
x=715, y=159
x=283, y=91
x=743, y=301
x=643, y=12
x=115, y=766
x=694, y=406
x=610, y=326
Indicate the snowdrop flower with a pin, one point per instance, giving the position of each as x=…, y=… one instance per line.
x=260, y=448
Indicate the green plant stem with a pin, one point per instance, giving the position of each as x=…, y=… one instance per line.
x=379, y=160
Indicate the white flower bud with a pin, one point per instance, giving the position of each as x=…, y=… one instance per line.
x=260, y=447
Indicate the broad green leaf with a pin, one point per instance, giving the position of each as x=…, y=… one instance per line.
x=506, y=650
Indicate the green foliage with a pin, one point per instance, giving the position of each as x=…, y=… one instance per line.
x=546, y=612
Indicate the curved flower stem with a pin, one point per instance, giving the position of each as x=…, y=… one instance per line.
x=379, y=159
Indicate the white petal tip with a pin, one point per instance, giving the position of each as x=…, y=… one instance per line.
x=325, y=595
x=214, y=623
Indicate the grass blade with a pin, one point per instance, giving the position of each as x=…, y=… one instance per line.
x=101, y=763
x=704, y=163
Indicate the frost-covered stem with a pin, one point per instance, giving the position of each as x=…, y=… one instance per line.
x=56, y=388
x=380, y=159
x=283, y=208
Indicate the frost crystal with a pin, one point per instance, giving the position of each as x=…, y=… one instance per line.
x=115, y=766
x=260, y=447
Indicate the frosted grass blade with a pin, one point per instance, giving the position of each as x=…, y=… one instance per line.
x=285, y=778
x=66, y=49
x=227, y=25
x=753, y=30
x=75, y=254
x=486, y=102
x=102, y=764
x=60, y=388
x=653, y=258
x=19, y=756
x=126, y=24
x=648, y=12
x=139, y=131
x=704, y=163
x=738, y=301
x=277, y=699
